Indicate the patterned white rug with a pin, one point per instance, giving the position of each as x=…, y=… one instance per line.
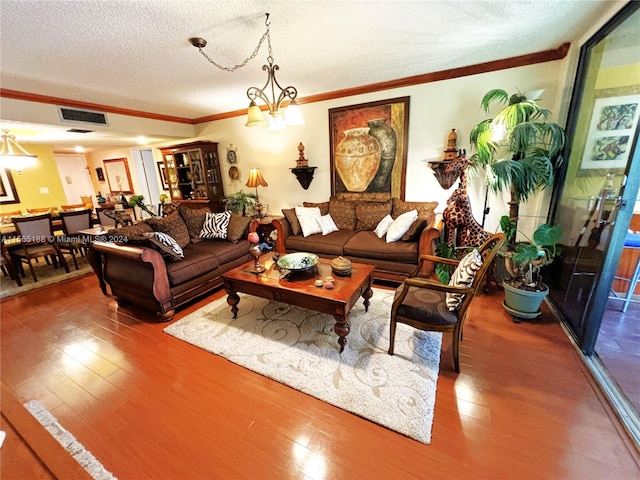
x=68, y=441
x=298, y=347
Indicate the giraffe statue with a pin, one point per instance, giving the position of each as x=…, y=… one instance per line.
x=460, y=224
x=462, y=229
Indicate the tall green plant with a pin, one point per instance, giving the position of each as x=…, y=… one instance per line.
x=517, y=149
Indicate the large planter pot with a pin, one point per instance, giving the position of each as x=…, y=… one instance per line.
x=522, y=303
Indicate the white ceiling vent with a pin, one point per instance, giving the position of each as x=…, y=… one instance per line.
x=82, y=116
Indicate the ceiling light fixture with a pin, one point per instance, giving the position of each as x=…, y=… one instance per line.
x=255, y=118
x=12, y=155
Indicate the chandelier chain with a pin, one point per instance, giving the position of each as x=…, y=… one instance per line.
x=265, y=35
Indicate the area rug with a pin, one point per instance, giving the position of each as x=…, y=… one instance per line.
x=298, y=347
x=46, y=275
x=68, y=441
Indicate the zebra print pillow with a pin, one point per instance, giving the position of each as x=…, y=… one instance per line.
x=463, y=276
x=168, y=242
x=216, y=225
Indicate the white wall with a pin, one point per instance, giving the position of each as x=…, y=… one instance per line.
x=435, y=108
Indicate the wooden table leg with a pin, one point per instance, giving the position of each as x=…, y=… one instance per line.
x=342, y=329
x=233, y=299
x=367, y=294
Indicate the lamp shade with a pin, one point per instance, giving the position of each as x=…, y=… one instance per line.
x=293, y=115
x=12, y=155
x=256, y=179
x=255, y=118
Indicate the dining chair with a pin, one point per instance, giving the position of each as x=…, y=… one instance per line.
x=41, y=210
x=6, y=264
x=5, y=218
x=36, y=240
x=72, y=206
x=426, y=304
x=71, y=241
x=87, y=201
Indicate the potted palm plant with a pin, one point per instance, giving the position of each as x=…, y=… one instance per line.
x=517, y=149
x=524, y=290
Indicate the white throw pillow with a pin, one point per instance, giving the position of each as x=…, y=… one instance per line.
x=463, y=276
x=383, y=226
x=215, y=225
x=401, y=225
x=308, y=218
x=327, y=225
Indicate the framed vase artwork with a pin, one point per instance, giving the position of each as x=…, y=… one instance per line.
x=8, y=192
x=368, y=149
x=610, y=136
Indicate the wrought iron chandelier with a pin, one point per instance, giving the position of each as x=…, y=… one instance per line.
x=255, y=118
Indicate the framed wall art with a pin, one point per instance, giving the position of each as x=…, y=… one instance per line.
x=610, y=137
x=8, y=192
x=368, y=149
x=162, y=171
x=118, y=175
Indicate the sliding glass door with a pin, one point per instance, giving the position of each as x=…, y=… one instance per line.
x=595, y=203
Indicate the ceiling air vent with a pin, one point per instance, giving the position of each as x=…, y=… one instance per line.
x=79, y=130
x=82, y=116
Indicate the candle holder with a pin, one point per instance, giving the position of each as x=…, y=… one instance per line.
x=256, y=252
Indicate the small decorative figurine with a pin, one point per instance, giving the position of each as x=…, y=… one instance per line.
x=301, y=162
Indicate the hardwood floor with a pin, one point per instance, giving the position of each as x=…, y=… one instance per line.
x=149, y=406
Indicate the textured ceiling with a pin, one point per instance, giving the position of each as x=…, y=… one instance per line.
x=136, y=54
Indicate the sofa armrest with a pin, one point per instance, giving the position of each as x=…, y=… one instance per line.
x=283, y=228
x=134, y=273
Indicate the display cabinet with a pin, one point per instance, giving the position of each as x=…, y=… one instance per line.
x=193, y=172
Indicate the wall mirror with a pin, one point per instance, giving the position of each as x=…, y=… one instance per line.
x=118, y=176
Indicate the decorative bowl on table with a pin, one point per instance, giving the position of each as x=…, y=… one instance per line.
x=341, y=266
x=298, y=261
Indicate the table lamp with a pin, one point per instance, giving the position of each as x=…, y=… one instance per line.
x=257, y=180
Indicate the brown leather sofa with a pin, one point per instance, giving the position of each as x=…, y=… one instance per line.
x=141, y=275
x=356, y=240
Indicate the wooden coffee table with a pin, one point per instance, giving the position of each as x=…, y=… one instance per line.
x=298, y=289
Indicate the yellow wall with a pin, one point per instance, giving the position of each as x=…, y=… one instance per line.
x=30, y=180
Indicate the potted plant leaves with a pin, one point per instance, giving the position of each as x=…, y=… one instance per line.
x=524, y=290
x=517, y=148
x=241, y=202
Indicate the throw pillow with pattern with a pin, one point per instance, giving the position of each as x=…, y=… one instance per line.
x=369, y=214
x=216, y=225
x=343, y=213
x=166, y=244
x=323, y=206
x=463, y=276
x=173, y=225
x=194, y=219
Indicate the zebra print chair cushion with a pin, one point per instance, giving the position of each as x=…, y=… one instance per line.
x=216, y=225
x=463, y=276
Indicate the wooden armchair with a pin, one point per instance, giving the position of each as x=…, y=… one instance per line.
x=421, y=302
